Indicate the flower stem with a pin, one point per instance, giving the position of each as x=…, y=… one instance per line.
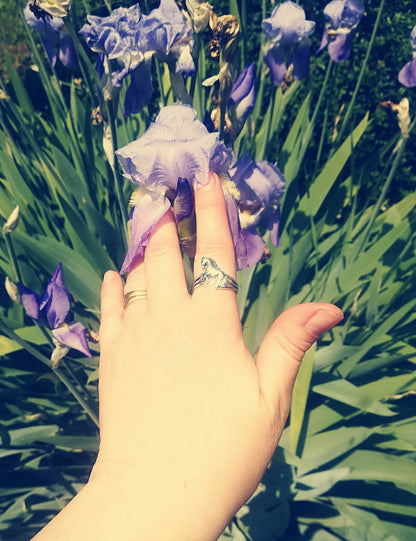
x=160, y=82
x=243, y=33
x=360, y=77
x=269, y=120
x=58, y=371
x=85, y=65
x=116, y=171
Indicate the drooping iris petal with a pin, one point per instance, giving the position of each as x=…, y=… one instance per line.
x=301, y=60
x=73, y=336
x=243, y=94
x=261, y=187
x=30, y=301
x=185, y=63
x=67, y=53
x=276, y=62
x=413, y=37
x=407, y=75
x=184, y=200
x=147, y=212
x=343, y=17
x=240, y=247
x=288, y=32
x=139, y=92
x=339, y=49
x=50, y=42
x=254, y=244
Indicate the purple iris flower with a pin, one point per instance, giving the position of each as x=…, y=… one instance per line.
x=168, y=163
x=52, y=309
x=55, y=38
x=243, y=96
x=288, y=32
x=343, y=17
x=168, y=33
x=407, y=75
x=117, y=37
x=261, y=186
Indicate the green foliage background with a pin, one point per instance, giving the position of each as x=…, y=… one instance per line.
x=345, y=468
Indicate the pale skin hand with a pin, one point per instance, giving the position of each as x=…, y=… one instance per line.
x=188, y=421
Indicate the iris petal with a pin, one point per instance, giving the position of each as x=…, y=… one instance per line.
x=184, y=201
x=236, y=232
x=140, y=90
x=339, y=48
x=55, y=303
x=30, y=301
x=67, y=53
x=147, y=212
x=254, y=244
x=407, y=75
x=275, y=60
x=73, y=336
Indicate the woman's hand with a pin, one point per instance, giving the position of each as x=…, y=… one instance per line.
x=183, y=406
x=188, y=421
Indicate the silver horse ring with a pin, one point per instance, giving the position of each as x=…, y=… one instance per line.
x=134, y=295
x=212, y=275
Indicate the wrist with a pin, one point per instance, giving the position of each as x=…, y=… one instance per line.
x=158, y=509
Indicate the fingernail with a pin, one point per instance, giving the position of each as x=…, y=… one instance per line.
x=108, y=277
x=324, y=319
x=210, y=183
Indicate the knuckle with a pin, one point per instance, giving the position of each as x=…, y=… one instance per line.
x=294, y=346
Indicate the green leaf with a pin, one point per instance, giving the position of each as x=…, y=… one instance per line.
x=327, y=446
x=356, y=397
x=319, y=483
x=30, y=434
x=311, y=203
x=379, y=466
x=19, y=88
x=31, y=334
x=374, y=338
x=360, y=525
x=299, y=398
x=258, y=320
x=74, y=443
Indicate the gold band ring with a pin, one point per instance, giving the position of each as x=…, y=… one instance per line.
x=134, y=295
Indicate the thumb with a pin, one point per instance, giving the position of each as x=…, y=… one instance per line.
x=284, y=345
